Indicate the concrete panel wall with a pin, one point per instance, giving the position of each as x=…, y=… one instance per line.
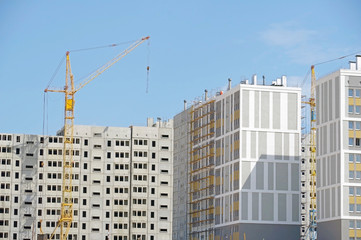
x=267, y=207
x=292, y=111
x=282, y=204
x=332, y=230
x=281, y=176
x=245, y=109
x=265, y=113
x=259, y=231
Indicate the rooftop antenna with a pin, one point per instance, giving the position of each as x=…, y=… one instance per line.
x=263, y=77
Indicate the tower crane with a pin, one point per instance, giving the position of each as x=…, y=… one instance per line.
x=312, y=225
x=69, y=91
x=313, y=210
x=312, y=228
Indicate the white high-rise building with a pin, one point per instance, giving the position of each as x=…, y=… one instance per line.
x=338, y=111
x=122, y=183
x=237, y=164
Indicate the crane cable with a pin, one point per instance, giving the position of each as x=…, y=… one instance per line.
x=45, y=102
x=104, y=46
x=327, y=61
x=148, y=56
x=336, y=58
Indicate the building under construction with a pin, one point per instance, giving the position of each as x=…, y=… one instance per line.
x=338, y=98
x=237, y=164
x=238, y=172
x=306, y=185
x=121, y=183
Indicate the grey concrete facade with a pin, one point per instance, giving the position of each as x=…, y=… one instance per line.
x=333, y=230
x=122, y=183
x=259, y=231
x=180, y=176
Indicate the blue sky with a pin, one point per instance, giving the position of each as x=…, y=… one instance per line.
x=194, y=45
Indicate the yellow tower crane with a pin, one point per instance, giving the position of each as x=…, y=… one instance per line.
x=312, y=228
x=69, y=90
x=313, y=211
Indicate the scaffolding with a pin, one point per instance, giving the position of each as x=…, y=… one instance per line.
x=201, y=171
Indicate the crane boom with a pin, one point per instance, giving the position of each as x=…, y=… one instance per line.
x=69, y=90
x=103, y=68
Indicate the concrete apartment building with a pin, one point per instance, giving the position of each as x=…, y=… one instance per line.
x=122, y=183
x=338, y=110
x=237, y=164
x=306, y=182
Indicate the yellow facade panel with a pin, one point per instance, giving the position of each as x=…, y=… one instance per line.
x=236, y=206
x=358, y=133
x=351, y=134
x=235, y=236
x=358, y=200
x=351, y=200
x=211, y=151
x=218, y=123
x=236, y=144
x=218, y=181
x=351, y=167
x=218, y=152
x=236, y=175
x=218, y=210
x=351, y=233
x=358, y=166
x=350, y=101
x=358, y=102
x=236, y=114
x=358, y=233
x=211, y=180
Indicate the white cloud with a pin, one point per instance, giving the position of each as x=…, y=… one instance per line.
x=287, y=35
x=302, y=46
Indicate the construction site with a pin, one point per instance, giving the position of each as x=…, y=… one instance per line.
x=252, y=161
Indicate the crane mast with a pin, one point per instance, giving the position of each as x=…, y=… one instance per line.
x=313, y=211
x=69, y=91
x=312, y=229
